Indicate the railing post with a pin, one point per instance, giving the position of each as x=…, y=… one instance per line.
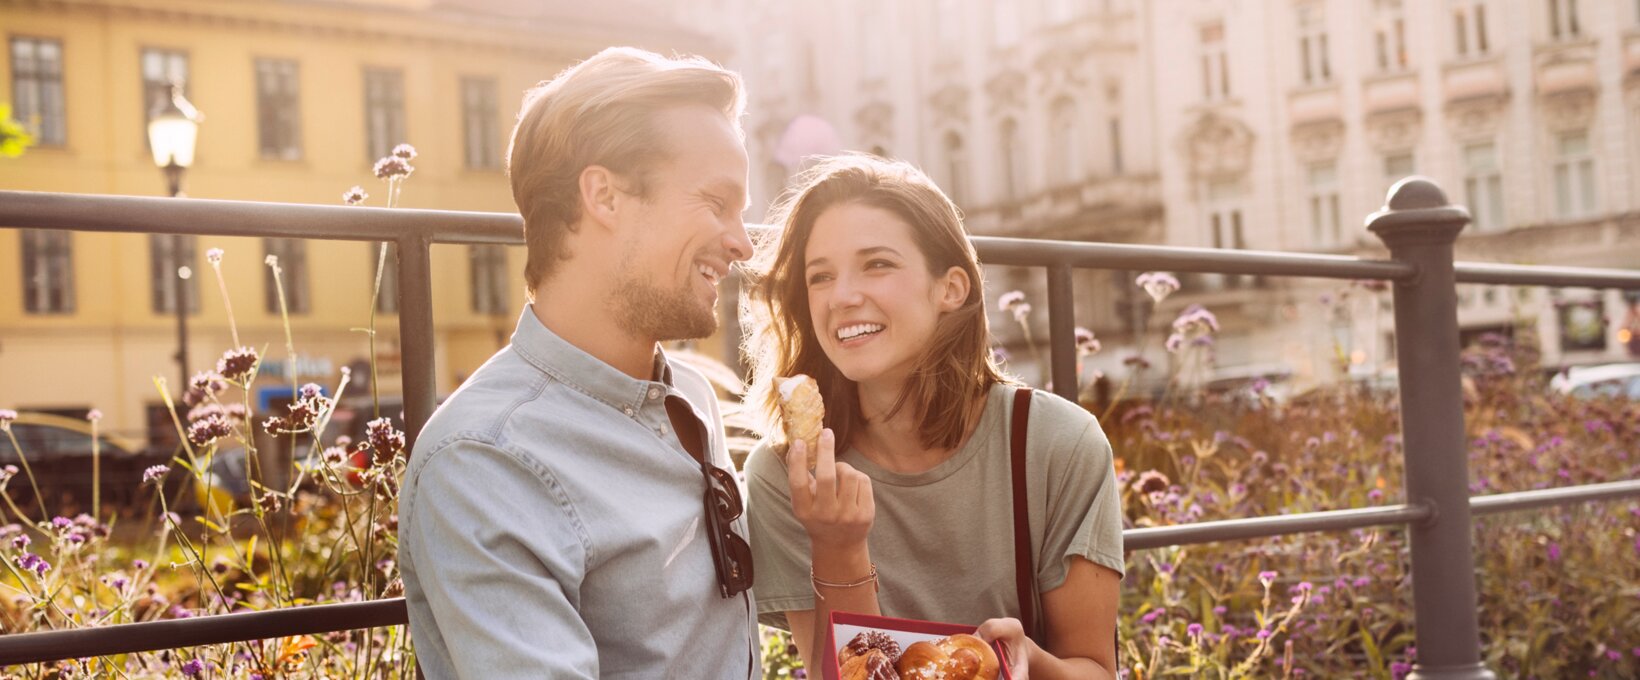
x=416, y=333
x=1420, y=228
x=1062, y=331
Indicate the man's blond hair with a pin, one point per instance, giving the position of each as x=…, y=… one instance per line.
x=600, y=112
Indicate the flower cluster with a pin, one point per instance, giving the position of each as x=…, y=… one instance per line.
x=238, y=365
x=1158, y=285
x=1086, y=343
x=354, y=196
x=204, y=386
x=1195, y=325
x=310, y=407
x=209, y=429
x=1013, y=302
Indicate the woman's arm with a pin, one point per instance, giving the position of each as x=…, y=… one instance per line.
x=836, y=508
x=1080, y=616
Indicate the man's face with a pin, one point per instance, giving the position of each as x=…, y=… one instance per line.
x=678, y=244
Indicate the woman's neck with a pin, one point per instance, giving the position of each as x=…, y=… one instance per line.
x=895, y=442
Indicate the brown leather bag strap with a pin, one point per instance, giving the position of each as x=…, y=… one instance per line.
x=1024, y=566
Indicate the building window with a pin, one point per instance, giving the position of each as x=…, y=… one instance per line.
x=1326, y=230
x=1483, y=186
x=1225, y=231
x=1215, y=63
x=278, y=112
x=1004, y=22
x=1469, y=26
x=37, y=89
x=1390, y=36
x=481, y=123
x=1397, y=166
x=488, y=278
x=956, y=165
x=1312, y=44
x=387, y=302
x=1563, y=19
x=1115, y=145
x=160, y=70
x=48, y=272
x=383, y=111
x=1012, y=152
x=166, y=254
x=1574, y=175
x=1064, y=157
x=293, y=274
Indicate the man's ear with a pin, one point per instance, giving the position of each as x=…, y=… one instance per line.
x=598, y=195
x=954, y=287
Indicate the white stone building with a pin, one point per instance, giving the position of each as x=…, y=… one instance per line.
x=1259, y=124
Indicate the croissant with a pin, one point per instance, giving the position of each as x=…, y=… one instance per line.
x=958, y=657
x=803, y=412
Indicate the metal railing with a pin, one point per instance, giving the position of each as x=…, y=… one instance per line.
x=1418, y=225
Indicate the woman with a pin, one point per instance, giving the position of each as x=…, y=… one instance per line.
x=874, y=290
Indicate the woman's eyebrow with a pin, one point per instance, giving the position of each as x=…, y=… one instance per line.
x=863, y=252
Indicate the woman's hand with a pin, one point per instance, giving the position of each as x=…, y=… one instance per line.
x=834, y=504
x=1011, y=633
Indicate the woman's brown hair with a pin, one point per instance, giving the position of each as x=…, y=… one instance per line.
x=948, y=386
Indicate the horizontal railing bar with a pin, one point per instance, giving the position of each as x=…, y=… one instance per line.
x=126, y=638
x=1037, y=252
x=1525, y=500
x=93, y=212
x=1559, y=277
x=1276, y=525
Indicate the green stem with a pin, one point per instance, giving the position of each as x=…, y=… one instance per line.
x=21, y=457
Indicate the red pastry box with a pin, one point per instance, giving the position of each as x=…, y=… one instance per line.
x=845, y=625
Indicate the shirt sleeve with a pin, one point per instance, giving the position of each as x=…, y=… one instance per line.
x=499, y=556
x=780, y=546
x=1084, y=508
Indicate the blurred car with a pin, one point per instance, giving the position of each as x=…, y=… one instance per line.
x=1608, y=380
x=44, y=436
x=59, y=452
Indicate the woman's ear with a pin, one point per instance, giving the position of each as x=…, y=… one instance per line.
x=598, y=195
x=954, y=287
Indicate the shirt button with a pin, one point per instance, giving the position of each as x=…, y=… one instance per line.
x=654, y=393
x=627, y=410
x=661, y=429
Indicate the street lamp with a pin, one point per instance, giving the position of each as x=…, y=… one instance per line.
x=172, y=131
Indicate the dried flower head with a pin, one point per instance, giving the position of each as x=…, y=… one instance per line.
x=202, y=387
x=1158, y=284
x=354, y=196
x=1151, y=481
x=93, y=415
x=404, y=151
x=272, y=261
x=209, y=429
x=237, y=364
x=391, y=167
x=1086, y=343
x=387, y=440
x=214, y=256
x=6, y=417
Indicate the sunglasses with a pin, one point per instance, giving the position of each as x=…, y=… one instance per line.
x=731, y=555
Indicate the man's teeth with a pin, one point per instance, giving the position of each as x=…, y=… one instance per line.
x=857, y=330
x=708, y=272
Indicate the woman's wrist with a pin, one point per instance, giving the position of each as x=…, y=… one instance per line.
x=840, y=563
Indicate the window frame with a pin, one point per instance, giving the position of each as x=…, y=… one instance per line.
x=38, y=77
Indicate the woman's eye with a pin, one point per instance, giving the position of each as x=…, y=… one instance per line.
x=815, y=279
x=879, y=264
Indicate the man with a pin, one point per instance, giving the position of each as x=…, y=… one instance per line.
x=571, y=511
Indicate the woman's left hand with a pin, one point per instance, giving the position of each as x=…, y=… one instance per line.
x=1011, y=634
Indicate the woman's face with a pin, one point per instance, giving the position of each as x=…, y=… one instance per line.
x=872, y=300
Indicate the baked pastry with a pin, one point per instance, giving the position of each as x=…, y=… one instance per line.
x=874, y=664
x=867, y=641
x=957, y=657
x=802, y=412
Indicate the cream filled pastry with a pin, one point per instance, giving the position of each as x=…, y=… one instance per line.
x=802, y=411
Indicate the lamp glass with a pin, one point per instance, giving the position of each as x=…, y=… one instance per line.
x=171, y=135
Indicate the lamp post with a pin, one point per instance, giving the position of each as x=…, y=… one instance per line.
x=172, y=131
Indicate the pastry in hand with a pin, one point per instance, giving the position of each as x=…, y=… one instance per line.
x=958, y=657
x=802, y=411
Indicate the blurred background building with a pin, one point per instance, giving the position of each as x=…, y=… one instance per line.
x=1267, y=124
x=1271, y=125
x=300, y=99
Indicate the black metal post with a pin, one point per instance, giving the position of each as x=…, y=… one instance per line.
x=416, y=332
x=1062, y=330
x=1420, y=228
x=173, y=183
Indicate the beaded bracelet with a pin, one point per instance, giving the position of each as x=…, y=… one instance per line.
x=870, y=578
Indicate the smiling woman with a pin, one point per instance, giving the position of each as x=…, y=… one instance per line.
x=922, y=475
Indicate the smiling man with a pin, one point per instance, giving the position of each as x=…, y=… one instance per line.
x=571, y=511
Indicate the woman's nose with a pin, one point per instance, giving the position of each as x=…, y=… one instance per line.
x=845, y=295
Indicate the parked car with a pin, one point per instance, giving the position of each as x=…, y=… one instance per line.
x=59, y=452
x=1608, y=380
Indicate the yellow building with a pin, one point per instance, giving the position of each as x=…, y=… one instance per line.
x=300, y=98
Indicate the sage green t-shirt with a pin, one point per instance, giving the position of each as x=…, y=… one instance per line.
x=943, y=540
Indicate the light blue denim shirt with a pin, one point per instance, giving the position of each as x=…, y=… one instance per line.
x=552, y=526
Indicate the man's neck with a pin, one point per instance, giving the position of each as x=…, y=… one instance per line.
x=583, y=320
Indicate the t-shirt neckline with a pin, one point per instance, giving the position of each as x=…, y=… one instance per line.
x=979, y=441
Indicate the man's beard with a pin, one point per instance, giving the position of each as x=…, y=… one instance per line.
x=645, y=310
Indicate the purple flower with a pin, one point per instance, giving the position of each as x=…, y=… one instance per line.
x=139, y=564
x=61, y=522
x=1158, y=285
x=1400, y=669
x=214, y=255
x=208, y=429
x=354, y=196
x=93, y=415
x=405, y=152
x=1153, y=615
x=1362, y=582
x=1086, y=344
x=21, y=541
x=1193, y=630
x=1554, y=551
x=1267, y=577
x=1174, y=343
x=193, y=667
x=1007, y=301
x=1614, y=655
x=1220, y=610
x=1375, y=495
x=391, y=167
x=1265, y=634
x=237, y=364
x=154, y=474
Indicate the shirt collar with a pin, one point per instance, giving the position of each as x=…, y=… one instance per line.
x=571, y=365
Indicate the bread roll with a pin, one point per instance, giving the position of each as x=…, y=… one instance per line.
x=958, y=657
x=803, y=412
